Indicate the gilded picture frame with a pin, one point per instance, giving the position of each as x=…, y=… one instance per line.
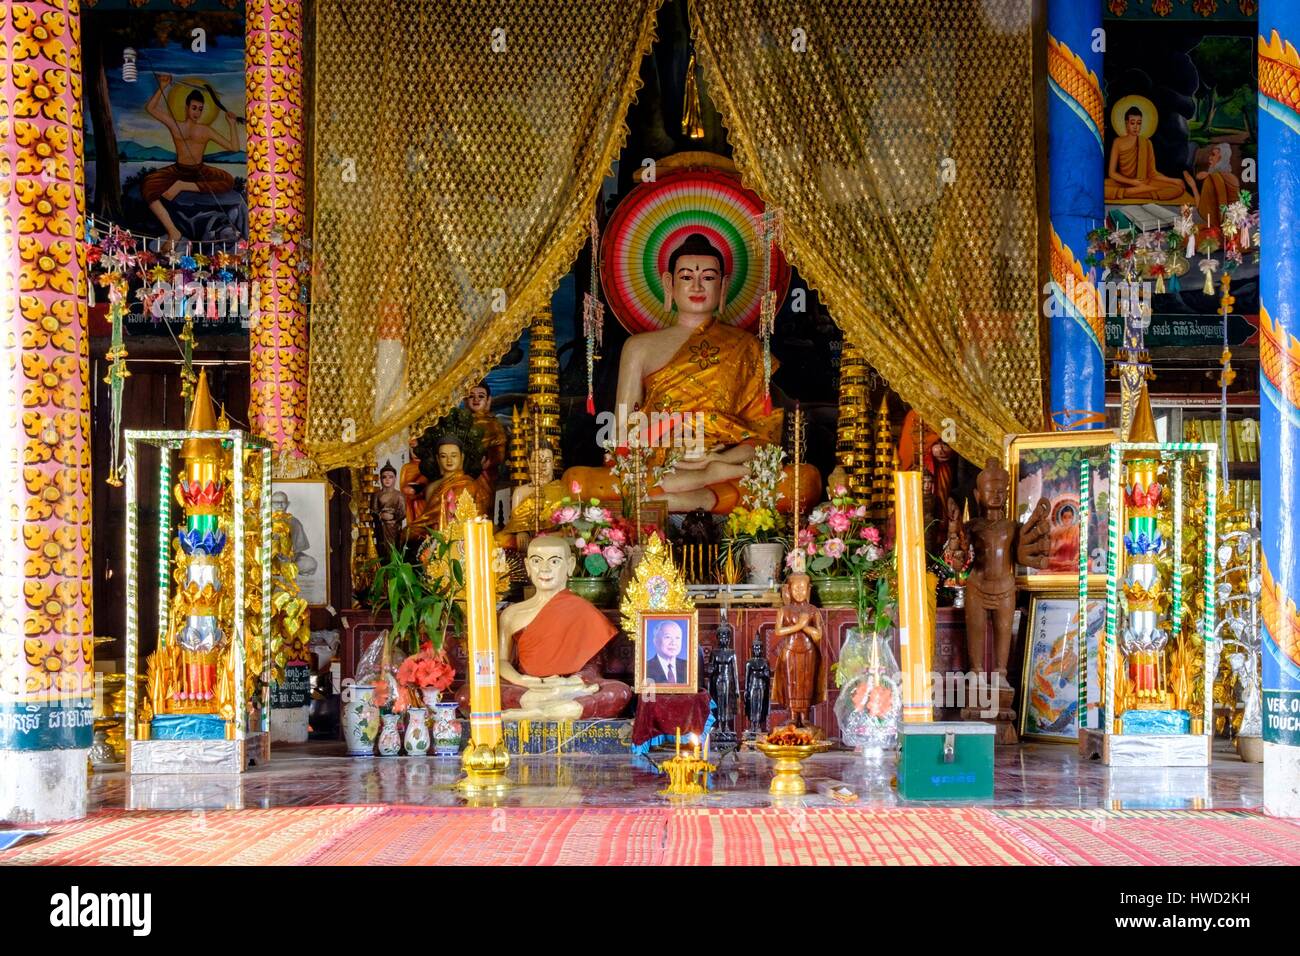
x=655, y=637
x=309, y=510
x=1047, y=464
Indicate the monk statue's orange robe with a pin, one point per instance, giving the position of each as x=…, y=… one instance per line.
x=564, y=639
x=716, y=373
x=1217, y=190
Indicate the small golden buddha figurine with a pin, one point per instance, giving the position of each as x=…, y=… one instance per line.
x=533, y=504
x=440, y=496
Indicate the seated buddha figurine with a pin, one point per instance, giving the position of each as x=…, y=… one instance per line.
x=699, y=365
x=550, y=644
x=1132, y=172
x=440, y=496
x=538, y=499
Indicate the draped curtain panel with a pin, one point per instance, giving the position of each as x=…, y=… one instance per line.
x=459, y=152
x=897, y=136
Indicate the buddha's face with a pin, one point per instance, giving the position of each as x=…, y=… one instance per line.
x=194, y=109
x=669, y=641
x=543, y=466
x=450, y=460
x=696, y=285
x=549, y=563
x=1133, y=124
x=387, y=478
x=478, y=401
x=799, y=588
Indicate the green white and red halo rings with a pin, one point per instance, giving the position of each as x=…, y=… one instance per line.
x=655, y=218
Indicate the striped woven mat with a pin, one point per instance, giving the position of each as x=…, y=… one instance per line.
x=668, y=836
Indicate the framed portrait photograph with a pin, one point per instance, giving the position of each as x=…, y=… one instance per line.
x=1049, y=705
x=667, y=652
x=1048, y=465
x=306, y=501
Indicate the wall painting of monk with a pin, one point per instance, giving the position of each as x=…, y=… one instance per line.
x=1048, y=465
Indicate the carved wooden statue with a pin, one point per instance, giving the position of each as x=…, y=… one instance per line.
x=799, y=674
x=998, y=543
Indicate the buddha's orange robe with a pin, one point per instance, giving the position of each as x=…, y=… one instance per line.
x=716, y=373
x=1138, y=161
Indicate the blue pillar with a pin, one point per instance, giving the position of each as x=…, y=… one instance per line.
x=1076, y=168
x=1279, y=406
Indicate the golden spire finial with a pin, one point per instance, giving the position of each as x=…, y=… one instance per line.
x=201, y=420
x=1143, y=427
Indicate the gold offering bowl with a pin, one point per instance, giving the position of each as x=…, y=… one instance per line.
x=787, y=780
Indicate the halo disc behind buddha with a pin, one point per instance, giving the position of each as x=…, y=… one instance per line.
x=655, y=218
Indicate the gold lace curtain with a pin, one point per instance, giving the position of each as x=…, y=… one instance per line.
x=459, y=150
x=899, y=143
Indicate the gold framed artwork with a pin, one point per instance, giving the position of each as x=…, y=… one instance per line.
x=1048, y=465
x=667, y=652
x=307, y=502
x=1050, y=707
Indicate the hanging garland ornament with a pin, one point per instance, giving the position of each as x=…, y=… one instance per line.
x=656, y=217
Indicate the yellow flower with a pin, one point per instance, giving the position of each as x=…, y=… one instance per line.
x=48, y=325
x=40, y=93
x=45, y=267
x=42, y=152
x=45, y=207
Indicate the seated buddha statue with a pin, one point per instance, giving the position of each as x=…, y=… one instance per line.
x=699, y=366
x=1132, y=173
x=550, y=646
x=539, y=498
x=440, y=496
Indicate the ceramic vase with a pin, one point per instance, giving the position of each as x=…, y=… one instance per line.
x=764, y=561
x=431, y=697
x=601, y=592
x=360, y=719
x=416, y=742
x=446, y=730
x=834, y=591
x=390, y=737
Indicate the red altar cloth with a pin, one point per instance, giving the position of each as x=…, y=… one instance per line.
x=668, y=713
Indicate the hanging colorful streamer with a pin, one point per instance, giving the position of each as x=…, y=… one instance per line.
x=593, y=313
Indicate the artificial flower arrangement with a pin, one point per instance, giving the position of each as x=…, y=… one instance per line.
x=427, y=669
x=839, y=542
x=756, y=520
x=600, y=538
x=636, y=463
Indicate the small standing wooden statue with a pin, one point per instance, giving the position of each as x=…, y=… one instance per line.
x=998, y=543
x=799, y=671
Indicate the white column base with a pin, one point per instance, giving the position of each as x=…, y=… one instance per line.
x=289, y=725
x=42, y=786
x=1281, y=780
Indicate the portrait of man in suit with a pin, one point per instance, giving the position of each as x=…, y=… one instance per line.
x=666, y=661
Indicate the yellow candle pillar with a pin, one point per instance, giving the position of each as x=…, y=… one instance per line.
x=914, y=624
x=485, y=759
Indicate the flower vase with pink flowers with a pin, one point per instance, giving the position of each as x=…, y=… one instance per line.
x=600, y=540
x=838, y=548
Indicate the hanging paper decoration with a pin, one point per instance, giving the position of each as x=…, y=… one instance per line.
x=593, y=312
x=770, y=236
x=1208, y=266
x=654, y=218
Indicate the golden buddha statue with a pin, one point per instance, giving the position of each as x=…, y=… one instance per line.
x=706, y=371
x=533, y=502
x=479, y=402
x=440, y=496
x=1131, y=174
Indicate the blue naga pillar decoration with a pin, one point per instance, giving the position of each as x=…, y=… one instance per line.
x=1279, y=406
x=1076, y=168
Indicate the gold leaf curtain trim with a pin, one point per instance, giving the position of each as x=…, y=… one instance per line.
x=934, y=362
x=440, y=396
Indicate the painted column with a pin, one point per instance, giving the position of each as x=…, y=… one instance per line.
x=1279, y=406
x=1076, y=169
x=276, y=227
x=46, y=668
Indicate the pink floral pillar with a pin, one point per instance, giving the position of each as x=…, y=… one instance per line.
x=46, y=671
x=276, y=205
